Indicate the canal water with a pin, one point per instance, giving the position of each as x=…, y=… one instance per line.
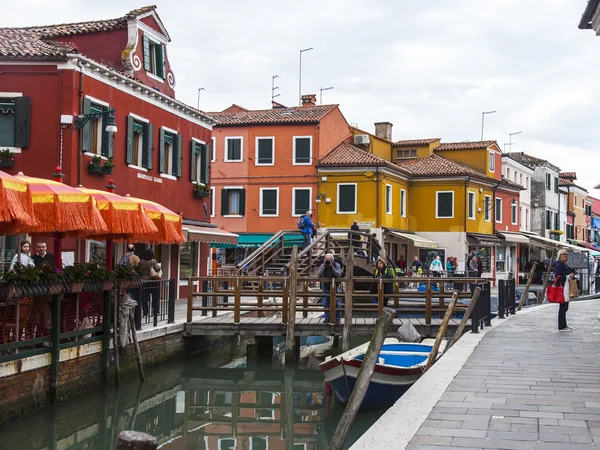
x=215, y=400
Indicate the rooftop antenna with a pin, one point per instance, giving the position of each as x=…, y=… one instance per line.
x=274, y=88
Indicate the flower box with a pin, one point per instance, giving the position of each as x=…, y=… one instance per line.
x=108, y=285
x=201, y=194
x=55, y=288
x=107, y=170
x=124, y=284
x=35, y=290
x=7, y=162
x=92, y=286
x=10, y=291
x=95, y=168
x=76, y=287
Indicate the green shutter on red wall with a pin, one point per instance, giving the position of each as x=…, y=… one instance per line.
x=87, y=128
x=242, y=202
x=149, y=145
x=129, y=149
x=193, y=161
x=205, y=161
x=161, y=151
x=22, y=122
x=146, y=53
x=224, y=202
x=163, y=67
x=179, y=156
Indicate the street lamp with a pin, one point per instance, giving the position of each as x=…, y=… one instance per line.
x=321, y=96
x=198, y=104
x=483, y=119
x=300, y=75
x=82, y=119
x=510, y=143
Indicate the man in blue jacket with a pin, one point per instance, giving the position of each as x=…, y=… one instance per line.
x=307, y=230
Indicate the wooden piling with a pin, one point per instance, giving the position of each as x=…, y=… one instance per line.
x=332, y=301
x=190, y=299
x=291, y=323
x=135, y=440
x=527, y=286
x=427, y=303
x=116, y=338
x=547, y=281
x=259, y=297
x=346, y=333
x=138, y=354
x=466, y=317
x=237, y=300
x=442, y=331
x=364, y=378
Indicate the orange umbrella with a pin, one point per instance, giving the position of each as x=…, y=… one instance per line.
x=63, y=209
x=124, y=216
x=168, y=224
x=16, y=209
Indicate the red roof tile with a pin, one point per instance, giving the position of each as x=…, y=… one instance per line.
x=565, y=182
x=464, y=145
x=414, y=142
x=569, y=175
x=346, y=154
x=438, y=166
x=293, y=115
x=530, y=161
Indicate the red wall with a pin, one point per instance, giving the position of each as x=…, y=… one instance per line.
x=507, y=198
x=104, y=47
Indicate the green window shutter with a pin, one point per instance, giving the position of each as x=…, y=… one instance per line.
x=146, y=53
x=87, y=128
x=22, y=122
x=161, y=151
x=179, y=156
x=192, y=161
x=149, y=146
x=129, y=153
x=224, y=202
x=242, y=202
x=206, y=165
x=163, y=65
x=109, y=139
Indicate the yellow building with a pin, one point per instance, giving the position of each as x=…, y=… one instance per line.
x=483, y=156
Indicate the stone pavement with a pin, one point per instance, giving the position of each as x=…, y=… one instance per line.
x=525, y=386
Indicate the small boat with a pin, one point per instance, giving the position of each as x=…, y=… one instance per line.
x=400, y=365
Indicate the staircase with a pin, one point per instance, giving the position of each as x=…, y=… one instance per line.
x=273, y=257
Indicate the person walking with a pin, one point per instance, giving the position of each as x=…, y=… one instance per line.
x=562, y=272
x=436, y=269
x=152, y=268
x=22, y=257
x=329, y=269
x=42, y=256
x=307, y=229
x=450, y=269
x=355, y=238
x=382, y=270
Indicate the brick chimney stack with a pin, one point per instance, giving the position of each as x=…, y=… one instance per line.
x=309, y=100
x=383, y=130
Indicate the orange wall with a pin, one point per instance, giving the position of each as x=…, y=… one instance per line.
x=332, y=130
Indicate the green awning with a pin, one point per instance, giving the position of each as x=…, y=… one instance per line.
x=255, y=240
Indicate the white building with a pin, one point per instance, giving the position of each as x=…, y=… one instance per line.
x=521, y=174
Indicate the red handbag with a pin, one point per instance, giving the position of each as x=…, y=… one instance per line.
x=555, y=294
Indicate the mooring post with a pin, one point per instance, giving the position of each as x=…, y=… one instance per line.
x=106, y=335
x=190, y=299
x=364, y=378
x=291, y=324
x=466, y=317
x=442, y=331
x=526, y=291
x=346, y=333
x=135, y=440
x=547, y=278
x=116, y=337
x=237, y=301
x=55, y=353
x=427, y=302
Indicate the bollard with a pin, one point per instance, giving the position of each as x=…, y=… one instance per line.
x=135, y=440
x=501, y=299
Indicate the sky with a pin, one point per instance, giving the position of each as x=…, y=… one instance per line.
x=429, y=67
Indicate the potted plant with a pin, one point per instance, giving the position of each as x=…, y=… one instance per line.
x=128, y=277
x=7, y=158
x=201, y=190
x=95, y=164
x=29, y=279
x=54, y=278
x=108, y=166
x=76, y=276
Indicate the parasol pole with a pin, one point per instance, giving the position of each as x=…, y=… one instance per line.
x=58, y=176
x=110, y=187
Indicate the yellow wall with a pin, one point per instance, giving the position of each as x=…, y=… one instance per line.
x=423, y=207
x=366, y=210
x=377, y=146
x=476, y=159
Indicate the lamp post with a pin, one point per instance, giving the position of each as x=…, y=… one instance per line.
x=198, y=103
x=82, y=119
x=321, y=95
x=483, y=120
x=300, y=75
x=510, y=143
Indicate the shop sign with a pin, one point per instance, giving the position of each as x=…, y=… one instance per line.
x=365, y=224
x=143, y=176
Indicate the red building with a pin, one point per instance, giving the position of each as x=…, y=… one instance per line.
x=507, y=224
x=49, y=75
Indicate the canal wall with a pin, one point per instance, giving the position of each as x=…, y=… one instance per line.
x=26, y=382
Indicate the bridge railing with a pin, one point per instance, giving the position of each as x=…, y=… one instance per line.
x=264, y=296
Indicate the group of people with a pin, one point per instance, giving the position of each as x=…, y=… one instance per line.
x=25, y=258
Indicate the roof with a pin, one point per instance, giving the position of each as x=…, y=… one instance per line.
x=530, y=161
x=590, y=10
x=506, y=183
x=360, y=131
x=436, y=165
x=36, y=42
x=414, y=142
x=346, y=154
x=476, y=145
x=293, y=115
x=565, y=182
x=569, y=175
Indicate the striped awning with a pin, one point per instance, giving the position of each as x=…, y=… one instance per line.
x=514, y=237
x=209, y=234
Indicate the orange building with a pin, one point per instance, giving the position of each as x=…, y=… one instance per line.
x=263, y=173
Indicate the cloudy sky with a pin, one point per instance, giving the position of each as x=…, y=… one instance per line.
x=429, y=67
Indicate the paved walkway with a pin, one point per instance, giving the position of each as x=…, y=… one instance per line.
x=525, y=386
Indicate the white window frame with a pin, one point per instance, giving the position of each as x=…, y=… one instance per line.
x=492, y=162
x=227, y=439
x=437, y=201
x=402, y=202
x=309, y=163
x=266, y=438
x=13, y=95
x=258, y=138
x=213, y=201
x=213, y=150
x=474, y=195
x=513, y=212
x=496, y=200
x=226, y=149
x=260, y=211
x=337, y=206
x=388, y=205
x=232, y=188
x=309, y=189
x=198, y=161
x=487, y=208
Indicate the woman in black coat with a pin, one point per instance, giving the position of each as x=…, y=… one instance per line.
x=561, y=272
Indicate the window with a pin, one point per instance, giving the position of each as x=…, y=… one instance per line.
x=302, y=150
x=188, y=259
x=556, y=185
x=548, y=182
x=444, y=205
x=556, y=221
x=259, y=443
x=154, y=58
x=170, y=154
x=548, y=220
x=471, y=205
x=388, y=199
x=406, y=154
x=515, y=177
x=526, y=182
x=233, y=149
x=212, y=201
x=140, y=142
x=526, y=218
x=269, y=202
x=521, y=179
x=346, y=198
x=301, y=201
x=402, y=203
x=487, y=206
x=492, y=161
x=498, y=211
x=265, y=151
x=199, y=162
x=233, y=201
x=14, y=121
x=227, y=444
x=266, y=399
x=96, y=139
x=513, y=214
x=507, y=173
x=570, y=232
x=213, y=150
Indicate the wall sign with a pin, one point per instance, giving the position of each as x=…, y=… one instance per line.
x=143, y=176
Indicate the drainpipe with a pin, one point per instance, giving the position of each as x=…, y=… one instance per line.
x=80, y=131
x=377, y=197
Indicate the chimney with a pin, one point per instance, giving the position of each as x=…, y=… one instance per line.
x=383, y=130
x=309, y=100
